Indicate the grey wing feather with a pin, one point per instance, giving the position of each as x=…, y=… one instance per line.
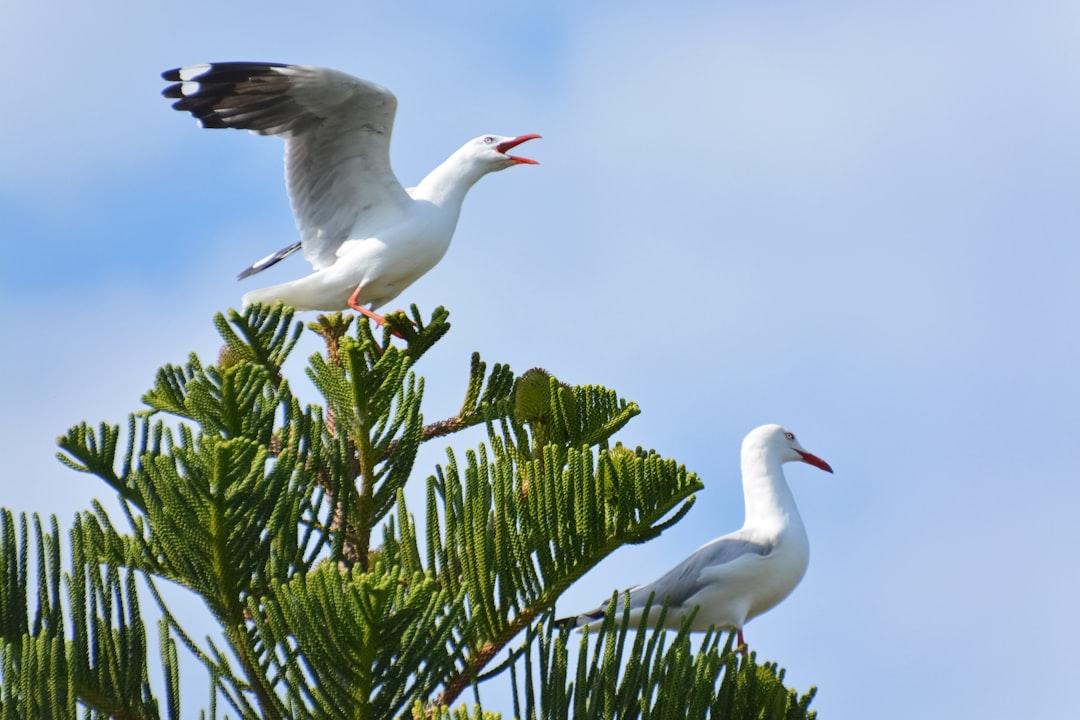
x=684, y=580
x=337, y=141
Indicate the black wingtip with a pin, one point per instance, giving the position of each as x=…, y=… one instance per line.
x=269, y=260
x=231, y=72
x=566, y=622
x=573, y=621
x=228, y=94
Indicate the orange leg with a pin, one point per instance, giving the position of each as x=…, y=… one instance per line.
x=742, y=643
x=379, y=319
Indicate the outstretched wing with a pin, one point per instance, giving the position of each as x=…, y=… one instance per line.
x=337, y=141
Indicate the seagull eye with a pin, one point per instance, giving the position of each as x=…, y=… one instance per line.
x=488, y=140
x=789, y=436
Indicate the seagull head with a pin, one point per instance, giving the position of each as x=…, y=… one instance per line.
x=492, y=151
x=781, y=442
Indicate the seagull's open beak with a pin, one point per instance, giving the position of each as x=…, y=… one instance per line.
x=811, y=459
x=504, y=146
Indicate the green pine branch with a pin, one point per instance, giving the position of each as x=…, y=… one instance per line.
x=290, y=523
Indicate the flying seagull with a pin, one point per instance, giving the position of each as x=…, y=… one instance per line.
x=367, y=237
x=739, y=576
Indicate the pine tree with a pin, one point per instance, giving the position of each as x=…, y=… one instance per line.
x=266, y=510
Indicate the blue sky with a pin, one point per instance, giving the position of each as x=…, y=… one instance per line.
x=859, y=221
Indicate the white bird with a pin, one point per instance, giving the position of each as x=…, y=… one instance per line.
x=739, y=576
x=367, y=237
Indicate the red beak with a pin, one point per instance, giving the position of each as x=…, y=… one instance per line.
x=504, y=146
x=814, y=460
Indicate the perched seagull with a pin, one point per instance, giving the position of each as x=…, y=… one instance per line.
x=737, y=577
x=367, y=237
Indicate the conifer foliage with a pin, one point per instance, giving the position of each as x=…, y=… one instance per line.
x=290, y=523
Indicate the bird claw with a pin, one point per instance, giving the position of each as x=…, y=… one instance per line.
x=392, y=319
x=401, y=312
x=379, y=319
